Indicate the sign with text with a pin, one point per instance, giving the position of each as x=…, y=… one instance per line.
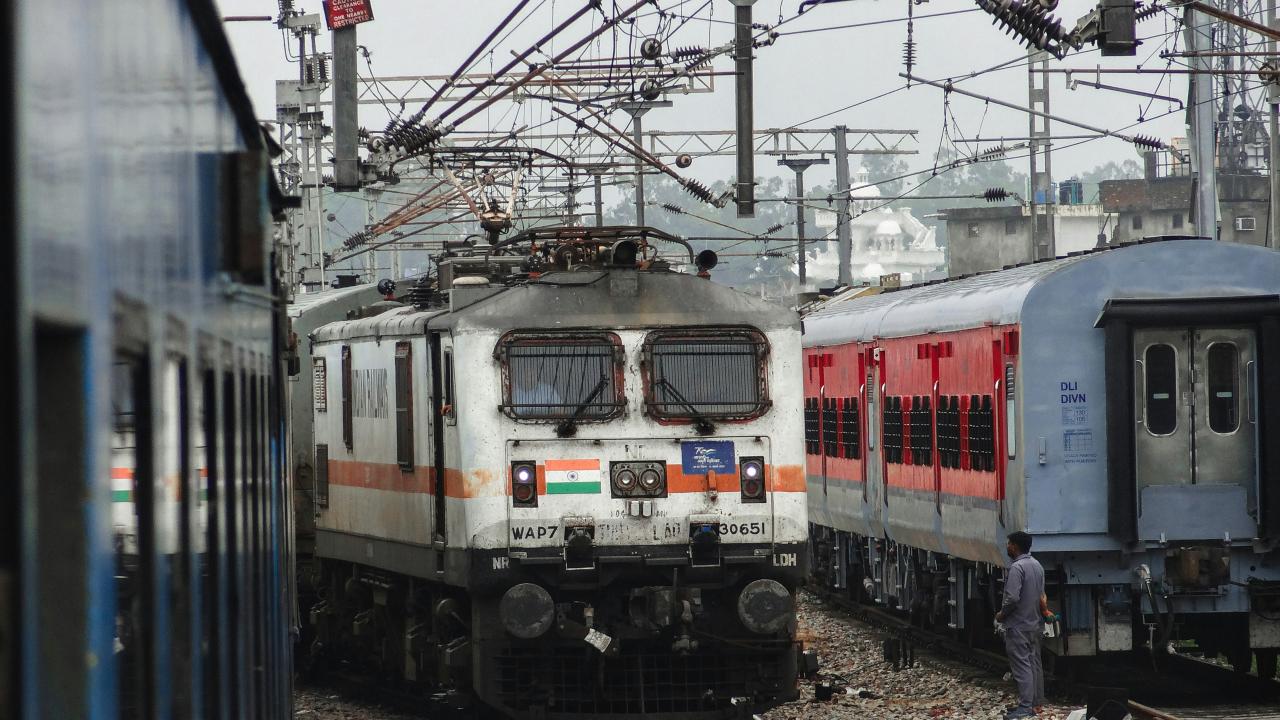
x=347, y=13
x=700, y=456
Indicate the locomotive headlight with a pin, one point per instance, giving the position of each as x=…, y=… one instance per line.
x=624, y=481
x=651, y=481
x=524, y=484
x=751, y=479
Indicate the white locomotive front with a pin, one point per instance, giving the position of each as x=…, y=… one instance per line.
x=577, y=485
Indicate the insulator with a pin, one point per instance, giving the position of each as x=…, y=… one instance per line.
x=422, y=293
x=909, y=54
x=286, y=7
x=1030, y=22
x=995, y=194
x=1147, y=141
x=689, y=52
x=698, y=190
x=773, y=229
x=322, y=67
x=671, y=208
x=1151, y=10
x=991, y=153
x=700, y=61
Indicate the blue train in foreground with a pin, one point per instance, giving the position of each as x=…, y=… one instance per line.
x=143, y=526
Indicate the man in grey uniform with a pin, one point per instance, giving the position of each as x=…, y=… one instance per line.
x=1021, y=616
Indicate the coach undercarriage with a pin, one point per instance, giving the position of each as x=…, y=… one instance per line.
x=1158, y=608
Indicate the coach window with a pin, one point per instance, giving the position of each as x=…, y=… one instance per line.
x=404, y=406
x=1223, y=387
x=708, y=374
x=131, y=515
x=562, y=377
x=1161, y=389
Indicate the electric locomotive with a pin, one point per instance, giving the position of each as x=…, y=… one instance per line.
x=1121, y=405
x=566, y=480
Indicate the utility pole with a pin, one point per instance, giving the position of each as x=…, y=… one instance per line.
x=1273, y=158
x=799, y=165
x=844, y=233
x=637, y=110
x=1042, y=202
x=1203, y=131
x=371, y=197
x=599, y=197
x=745, y=195
x=346, y=123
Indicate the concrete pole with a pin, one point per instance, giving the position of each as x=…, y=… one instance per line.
x=745, y=192
x=1273, y=162
x=799, y=165
x=371, y=197
x=1203, y=130
x=844, y=233
x=637, y=134
x=346, y=123
x=599, y=200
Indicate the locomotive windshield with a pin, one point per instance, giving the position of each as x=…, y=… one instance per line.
x=562, y=377
x=703, y=374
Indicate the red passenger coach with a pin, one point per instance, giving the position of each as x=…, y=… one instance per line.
x=1123, y=406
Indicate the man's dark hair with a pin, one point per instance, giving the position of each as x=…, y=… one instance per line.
x=1022, y=540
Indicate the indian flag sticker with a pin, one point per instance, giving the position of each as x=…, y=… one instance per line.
x=572, y=477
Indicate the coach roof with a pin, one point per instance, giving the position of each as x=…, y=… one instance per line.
x=1001, y=297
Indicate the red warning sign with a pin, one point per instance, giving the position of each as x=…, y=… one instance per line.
x=347, y=13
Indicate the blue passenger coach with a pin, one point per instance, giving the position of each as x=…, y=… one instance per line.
x=143, y=517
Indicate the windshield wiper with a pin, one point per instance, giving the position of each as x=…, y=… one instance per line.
x=569, y=427
x=701, y=424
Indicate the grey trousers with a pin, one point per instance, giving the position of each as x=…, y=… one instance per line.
x=1023, y=648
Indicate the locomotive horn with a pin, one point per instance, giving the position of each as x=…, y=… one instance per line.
x=706, y=260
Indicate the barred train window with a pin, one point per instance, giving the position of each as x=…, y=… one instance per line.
x=709, y=373
x=562, y=377
x=812, y=427
x=850, y=430
x=830, y=438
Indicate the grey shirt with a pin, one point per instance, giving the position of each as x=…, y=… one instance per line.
x=1023, y=586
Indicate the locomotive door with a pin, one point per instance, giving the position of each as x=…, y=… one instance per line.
x=1195, y=423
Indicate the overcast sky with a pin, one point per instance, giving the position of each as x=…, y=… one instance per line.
x=799, y=77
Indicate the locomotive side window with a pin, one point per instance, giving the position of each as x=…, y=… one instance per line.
x=812, y=427
x=1224, y=387
x=1161, y=389
x=706, y=374
x=850, y=438
x=348, y=429
x=404, y=406
x=562, y=377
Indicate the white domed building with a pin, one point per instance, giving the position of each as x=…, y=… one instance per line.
x=885, y=241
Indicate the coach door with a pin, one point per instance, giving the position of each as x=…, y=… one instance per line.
x=1195, y=418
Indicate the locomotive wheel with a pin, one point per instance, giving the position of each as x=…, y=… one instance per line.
x=1241, y=660
x=1267, y=662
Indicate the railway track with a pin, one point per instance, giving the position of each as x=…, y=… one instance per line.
x=1180, y=688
